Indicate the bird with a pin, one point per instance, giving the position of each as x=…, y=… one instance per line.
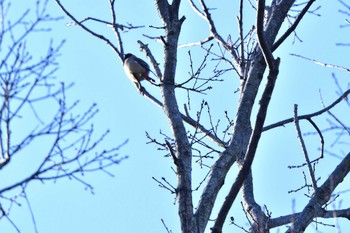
x=136, y=69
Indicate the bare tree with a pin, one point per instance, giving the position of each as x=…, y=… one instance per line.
x=249, y=55
x=36, y=119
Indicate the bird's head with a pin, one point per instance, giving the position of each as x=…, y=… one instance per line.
x=128, y=55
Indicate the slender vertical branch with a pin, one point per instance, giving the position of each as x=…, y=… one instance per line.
x=25, y=196
x=303, y=146
x=252, y=147
x=240, y=27
x=120, y=52
x=267, y=53
x=172, y=24
x=241, y=131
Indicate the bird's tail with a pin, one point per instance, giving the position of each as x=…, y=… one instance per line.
x=151, y=80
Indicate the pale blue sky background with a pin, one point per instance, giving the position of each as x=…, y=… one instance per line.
x=132, y=202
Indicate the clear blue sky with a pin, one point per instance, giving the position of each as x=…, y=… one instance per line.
x=132, y=202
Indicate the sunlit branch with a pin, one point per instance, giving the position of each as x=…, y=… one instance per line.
x=197, y=10
x=113, y=24
x=321, y=63
x=198, y=43
x=154, y=62
x=267, y=53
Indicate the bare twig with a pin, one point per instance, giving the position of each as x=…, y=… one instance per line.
x=321, y=197
x=283, y=220
x=188, y=119
x=335, y=118
x=303, y=146
x=197, y=10
x=198, y=43
x=172, y=152
x=320, y=135
x=293, y=27
x=308, y=116
x=99, y=36
x=24, y=194
x=322, y=63
x=165, y=226
x=154, y=62
x=217, y=36
x=166, y=186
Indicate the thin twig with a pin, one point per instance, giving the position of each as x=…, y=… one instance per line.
x=197, y=10
x=24, y=194
x=188, y=119
x=99, y=36
x=166, y=228
x=218, y=37
x=172, y=152
x=306, y=116
x=321, y=197
x=198, y=43
x=155, y=64
x=303, y=146
x=293, y=27
x=335, y=118
x=320, y=134
x=322, y=63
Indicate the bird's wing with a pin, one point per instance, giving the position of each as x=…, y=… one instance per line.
x=142, y=63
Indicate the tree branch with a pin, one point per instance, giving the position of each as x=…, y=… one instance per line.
x=172, y=24
x=99, y=36
x=307, y=116
x=217, y=36
x=322, y=63
x=303, y=146
x=293, y=27
x=241, y=130
x=250, y=154
x=266, y=51
x=284, y=220
x=321, y=196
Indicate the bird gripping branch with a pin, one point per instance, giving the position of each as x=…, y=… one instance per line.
x=137, y=70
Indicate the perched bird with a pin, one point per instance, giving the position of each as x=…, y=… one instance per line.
x=136, y=69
